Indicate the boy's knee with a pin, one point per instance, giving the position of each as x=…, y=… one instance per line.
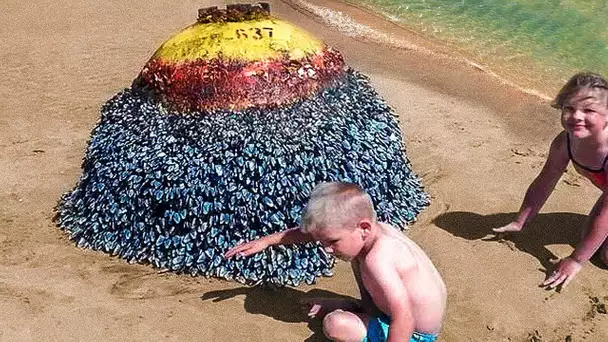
x=336, y=325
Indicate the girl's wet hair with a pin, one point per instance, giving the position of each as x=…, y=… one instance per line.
x=582, y=80
x=337, y=204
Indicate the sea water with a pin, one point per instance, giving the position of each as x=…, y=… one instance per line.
x=536, y=44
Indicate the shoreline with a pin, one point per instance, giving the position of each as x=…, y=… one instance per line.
x=396, y=35
x=437, y=71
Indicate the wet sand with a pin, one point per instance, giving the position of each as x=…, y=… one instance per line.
x=475, y=141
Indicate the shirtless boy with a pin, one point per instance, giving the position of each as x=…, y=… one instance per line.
x=403, y=297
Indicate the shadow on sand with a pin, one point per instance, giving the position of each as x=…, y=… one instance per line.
x=282, y=304
x=545, y=229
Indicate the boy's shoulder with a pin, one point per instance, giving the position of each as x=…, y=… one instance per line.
x=391, y=245
x=392, y=234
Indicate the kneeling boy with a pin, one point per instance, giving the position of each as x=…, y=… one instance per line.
x=402, y=294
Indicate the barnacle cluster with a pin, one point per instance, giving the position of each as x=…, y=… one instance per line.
x=211, y=148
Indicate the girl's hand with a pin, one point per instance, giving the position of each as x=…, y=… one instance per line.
x=565, y=270
x=247, y=249
x=511, y=227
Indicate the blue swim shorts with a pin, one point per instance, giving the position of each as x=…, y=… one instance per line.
x=377, y=331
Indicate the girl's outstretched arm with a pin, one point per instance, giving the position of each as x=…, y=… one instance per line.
x=596, y=231
x=543, y=184
x=595, y=235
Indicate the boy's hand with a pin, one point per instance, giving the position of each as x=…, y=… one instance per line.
x=314, y=307
x=319, y=307
x=565, y=270
x=247, y=249
x=511, y=227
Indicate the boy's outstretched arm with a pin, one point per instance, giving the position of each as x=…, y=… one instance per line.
x=542, y=186
x=596, y=234
x=286, y=237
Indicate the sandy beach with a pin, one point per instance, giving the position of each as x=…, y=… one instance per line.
x=475, y=141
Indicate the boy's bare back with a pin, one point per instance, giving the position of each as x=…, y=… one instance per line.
x=397, y=270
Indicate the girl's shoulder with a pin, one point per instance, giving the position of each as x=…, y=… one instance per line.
x=561, y=144
x=562, y=138
x=559, y=155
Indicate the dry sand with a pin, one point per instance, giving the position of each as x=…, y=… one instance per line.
x=475, y=142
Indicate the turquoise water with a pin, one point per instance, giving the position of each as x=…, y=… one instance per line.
x=537, y=44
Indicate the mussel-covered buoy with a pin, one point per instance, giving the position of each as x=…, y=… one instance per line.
x=220, y=140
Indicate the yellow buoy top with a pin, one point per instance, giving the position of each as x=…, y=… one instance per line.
x=251, y=40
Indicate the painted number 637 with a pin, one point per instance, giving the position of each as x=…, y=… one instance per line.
x=254, y=33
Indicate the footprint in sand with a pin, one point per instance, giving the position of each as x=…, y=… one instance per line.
x=431, y=176
x=134, y=284
x=523, y=152
x=584, y=327
x=572, y=178
x=599, y=306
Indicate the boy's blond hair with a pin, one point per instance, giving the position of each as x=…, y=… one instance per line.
x=337, y=204
x=580, y=81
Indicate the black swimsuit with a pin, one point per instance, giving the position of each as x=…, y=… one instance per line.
x=597, y=176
